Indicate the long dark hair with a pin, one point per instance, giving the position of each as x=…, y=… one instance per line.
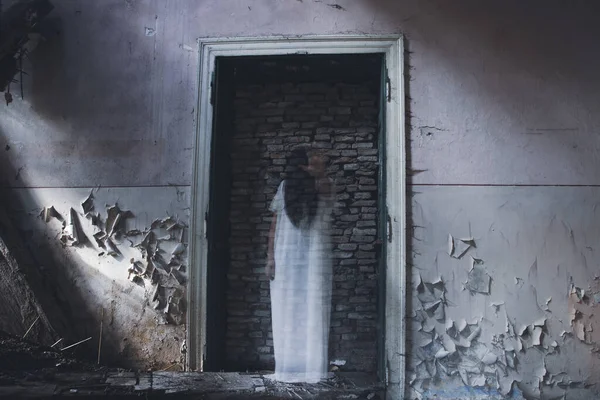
x=301, y=195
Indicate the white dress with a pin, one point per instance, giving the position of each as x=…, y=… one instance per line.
x=301, y=294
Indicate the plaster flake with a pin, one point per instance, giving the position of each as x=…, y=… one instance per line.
x=478, y=380
x=112, y=249
x=50, y=212
x=540, y=322
x=581, y=313
x=479, y=281
x=151, y=270
x=496, y=306
x=425, y=340
x=537, y=336
x=459, y=350
x=546, y=307
x=428, y=325
x=489, y=358
x=115, y=220
x=87, y=205
x=450, y=245
x=72, y=234
x=441, y=353
x=448, y=343
x=458, y=247
x=473, y=335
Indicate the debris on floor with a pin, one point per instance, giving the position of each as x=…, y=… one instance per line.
x=28, y=370
x=18, y=356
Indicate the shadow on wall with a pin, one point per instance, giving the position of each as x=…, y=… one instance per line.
x=109, y=100
x=50, y=90
x=63, y=86
x=74, y=288
x=64, y=83
x=98, y=75
x=505, y=61
x=68, y=311
x=91, y=72
x=88, y=87
x=509, y=37
x=108, y=78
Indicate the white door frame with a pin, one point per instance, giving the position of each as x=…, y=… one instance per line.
x=395, y=308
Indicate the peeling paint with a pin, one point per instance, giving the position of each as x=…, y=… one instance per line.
x=581, y=313
x=151, y=270
x=479, y=281
x=50, y=212
x=462, y=349
x=72, y=234
x=457, y=248
x=115, y=220
x=88, y=204
x=337, y=7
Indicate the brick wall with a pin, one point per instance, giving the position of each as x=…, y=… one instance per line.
x=341, y=119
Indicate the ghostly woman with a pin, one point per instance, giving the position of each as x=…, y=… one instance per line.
x=299, y=266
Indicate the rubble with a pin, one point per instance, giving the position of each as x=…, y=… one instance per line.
x=33, y=371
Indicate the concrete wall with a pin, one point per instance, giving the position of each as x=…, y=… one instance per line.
x=501, y=94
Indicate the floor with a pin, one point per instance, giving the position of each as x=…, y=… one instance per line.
x=186, y=385
x=31, y=371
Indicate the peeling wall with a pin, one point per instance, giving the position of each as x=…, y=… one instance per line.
x=127, y=269
x=514, y=322
x=500, y=94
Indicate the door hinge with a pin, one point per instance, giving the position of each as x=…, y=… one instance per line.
x=213, y=89
x=205, y=225
x=388, y=89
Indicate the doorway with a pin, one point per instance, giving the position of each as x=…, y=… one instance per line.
x=258, y=107
x=264, y=107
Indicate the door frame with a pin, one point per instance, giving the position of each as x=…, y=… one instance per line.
x=395, y=163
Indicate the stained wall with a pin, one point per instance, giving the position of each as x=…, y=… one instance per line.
x=502, y=139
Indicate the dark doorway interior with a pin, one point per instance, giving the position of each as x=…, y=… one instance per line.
x=264, y=107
